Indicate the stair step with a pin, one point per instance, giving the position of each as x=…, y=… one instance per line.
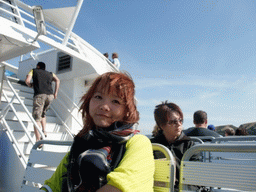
x=50, y=127
x=55, y=130
x=24, y=117
x=26, y=146
x=18, y=86
x=23, y=95
x=22, y=137
x=28, y=102
x=19, y=107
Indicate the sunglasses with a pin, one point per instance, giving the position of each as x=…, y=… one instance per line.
x=176, y=121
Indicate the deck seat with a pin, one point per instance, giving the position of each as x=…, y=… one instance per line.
x=231, y=174
x=42, y=164
x=164, y=177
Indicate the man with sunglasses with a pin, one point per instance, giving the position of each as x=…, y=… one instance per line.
x=168, y=132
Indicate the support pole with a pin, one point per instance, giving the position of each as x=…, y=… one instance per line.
x=72, y=22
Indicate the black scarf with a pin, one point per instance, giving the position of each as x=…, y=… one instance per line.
x=96, y=154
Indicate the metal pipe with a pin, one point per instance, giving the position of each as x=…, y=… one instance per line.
x=24, y=107
x=246, y=148
x=10, y=104
x=72, y=22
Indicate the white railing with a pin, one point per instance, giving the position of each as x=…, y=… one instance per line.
x=69, y=110
x=14, y=141
x=23, y=15
x=66, y=41
x=247, y=138
x=6, y=110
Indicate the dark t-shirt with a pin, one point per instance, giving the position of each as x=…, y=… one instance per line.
x=42, y=82
x=198, y=131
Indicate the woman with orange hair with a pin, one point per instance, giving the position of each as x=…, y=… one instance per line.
x=107, y=154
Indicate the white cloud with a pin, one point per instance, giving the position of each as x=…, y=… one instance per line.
x=157, y=82
x=225, y=102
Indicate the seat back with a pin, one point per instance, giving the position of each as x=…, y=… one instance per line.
x=164, y=177
x=233, y=174
x=42, y=164
x=235, y=139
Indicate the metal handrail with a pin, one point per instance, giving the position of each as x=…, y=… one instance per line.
x=15, y=112
x=64, y=94
x=169, y=156
x=203, y=138
x=15, y=70
x=91, y=48
x=63, y=123
x=234, y=138
x=32, y=119
x=51, y=142
x=196, y=139
x=246, y=148
x=10, y=67
x=24, y=107
x=14, y=141
x=27, y=11
x=67, y=128
x=167, y=153
x=70, y=112
x=9, y=106
x=78, y=49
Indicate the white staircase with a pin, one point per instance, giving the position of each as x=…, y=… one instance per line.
x=17, y=130
x=54, y=128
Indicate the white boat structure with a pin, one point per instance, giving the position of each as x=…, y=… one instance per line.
x=34, y=34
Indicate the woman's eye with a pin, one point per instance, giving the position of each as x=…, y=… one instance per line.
x=116, y=101
x=97, y=97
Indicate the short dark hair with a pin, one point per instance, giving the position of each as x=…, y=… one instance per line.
x=241, y=131
x=115, y=55
x=105, y=54
x=164, y=110
x=230, y=131
x=41, y=65
x=200, y=117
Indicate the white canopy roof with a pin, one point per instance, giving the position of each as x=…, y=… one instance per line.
x=59, y=17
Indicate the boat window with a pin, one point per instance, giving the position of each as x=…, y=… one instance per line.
x=64, y=62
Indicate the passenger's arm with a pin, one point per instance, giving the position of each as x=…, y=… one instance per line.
x=27, y=81
x=136, y=169
x=57, y=85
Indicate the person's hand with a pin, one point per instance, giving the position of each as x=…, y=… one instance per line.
x=55, y=96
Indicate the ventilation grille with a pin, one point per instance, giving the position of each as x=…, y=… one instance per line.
x=64, y=62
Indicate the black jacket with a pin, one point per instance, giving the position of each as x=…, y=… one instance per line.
x=178, y=148
x=199, y=131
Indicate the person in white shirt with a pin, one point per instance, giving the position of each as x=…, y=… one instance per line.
x=116, y=60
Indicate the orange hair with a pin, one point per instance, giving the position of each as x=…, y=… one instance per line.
x=119, y=84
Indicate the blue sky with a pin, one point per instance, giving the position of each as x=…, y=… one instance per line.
x=198, y=54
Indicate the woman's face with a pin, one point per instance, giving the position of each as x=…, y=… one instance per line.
x=173, y=127
x=106, y=109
